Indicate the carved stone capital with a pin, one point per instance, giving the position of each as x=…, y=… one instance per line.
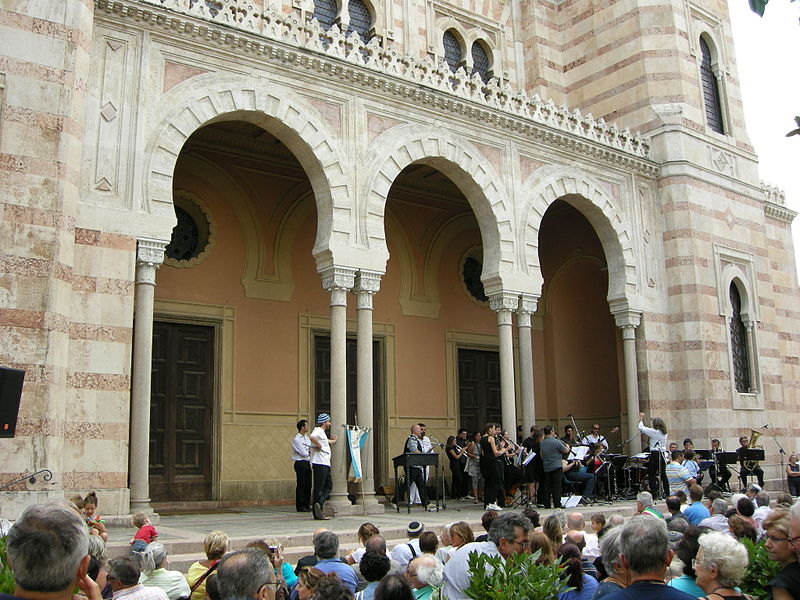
x=338, y=278
x=627, y=318
x=367, y=282
x=527, y=305
x=149, y=256
x=504, y=301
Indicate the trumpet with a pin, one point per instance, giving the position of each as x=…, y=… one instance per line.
x=435, y=442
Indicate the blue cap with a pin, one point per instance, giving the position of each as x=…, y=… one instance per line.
x=323, y=418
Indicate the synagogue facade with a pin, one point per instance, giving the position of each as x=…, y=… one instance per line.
x=222, y=216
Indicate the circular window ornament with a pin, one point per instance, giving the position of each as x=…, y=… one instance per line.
x=193, y=235
x=470, y=270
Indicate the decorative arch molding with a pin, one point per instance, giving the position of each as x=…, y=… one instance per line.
x=449, y=24
x=550, y=183
x=735, y=266
x=467, y=168
x=216, y=97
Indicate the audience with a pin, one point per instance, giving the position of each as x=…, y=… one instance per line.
x=326, y=549
x=486, y=523
x=578, y=540
x=781, y=548
x=763, y=510
x=552, y=529
x=215, y=546
x=123, y=575
x=366, y=531
x=424, y=575
x=155, y=573
x=584, y=585
x=720, y=565
x=428, y=542
x=246, y=574
x=686, y=551
x=309, y=560
x=374, y=567
x=696, y=511
x=542, y=544
x=740, y=528
x=617, y=575
x=404, y=552
x=717, y=521
x=394, y=587
x=307, y=580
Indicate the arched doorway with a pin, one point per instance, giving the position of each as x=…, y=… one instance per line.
x=580, y=347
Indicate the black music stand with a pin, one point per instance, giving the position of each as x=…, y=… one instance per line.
x=416, y=459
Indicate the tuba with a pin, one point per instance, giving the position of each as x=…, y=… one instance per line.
x=751, y=444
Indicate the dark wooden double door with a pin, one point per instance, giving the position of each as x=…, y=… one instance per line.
x=181, y=412
x=478, y=389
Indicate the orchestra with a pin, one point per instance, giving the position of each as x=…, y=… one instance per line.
x=596, y=467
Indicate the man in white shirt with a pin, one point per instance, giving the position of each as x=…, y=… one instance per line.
x=595, y=438
x=301, y=455
x=763, y=510
x=405, y=552
x=321, y=464
x=508, y=535
x=717, y=521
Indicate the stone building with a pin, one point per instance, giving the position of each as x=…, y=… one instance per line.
x=392, y=210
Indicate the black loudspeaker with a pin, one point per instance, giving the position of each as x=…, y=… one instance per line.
x=10, y=394
x=712, y=487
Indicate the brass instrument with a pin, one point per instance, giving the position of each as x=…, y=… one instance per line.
x=751, y=444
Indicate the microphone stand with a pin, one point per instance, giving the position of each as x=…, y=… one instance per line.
x=782, y=452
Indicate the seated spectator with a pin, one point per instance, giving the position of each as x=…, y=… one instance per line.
x=405, y=551
x=376, y=544
x=212, y=589
x=674, y=508
x=584, y=585
x=533, y=515
x=445, y=544
x=309, y=560
x=746, y=510
x=155, y=573
x=246, y=574
x=215, y=546
x=97, y=550
x=741, y=528
x=47, y=547
x=577, y=538
x=486, y=523
x=366, y=531
x=542, y=544
x=720, y=565
x=460, y=534
x=686, y=552
x=428, y=542
x=763, y=510
x=644, y=505
x=717, y=521
x=552, y=529
x=123, y=575
x=591, y=548
x=326, y=549
x=617, y=575
x=424, y=575
x=393, y=587
x=696, y=511
x=307, y=580
x=374, y=567
x=332, y=588
x=780, y=548
x=284, y=574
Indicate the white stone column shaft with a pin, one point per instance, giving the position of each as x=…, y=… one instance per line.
x=527, y=306
x=751, y=354
x=504, y=303
x=628, y=320
x=367, y=283
x=338, y=281
x=149, y=256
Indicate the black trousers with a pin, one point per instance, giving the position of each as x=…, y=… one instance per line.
x=794, y=485
x=417, y=475
x=720, y=477
x=302, y=494
x=492, y=483
x=323, y=484
x=551, y=484
x=457, y=490
x=758, y=472
x=657, y=470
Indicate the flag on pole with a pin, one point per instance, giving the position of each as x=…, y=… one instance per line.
x=356, y=436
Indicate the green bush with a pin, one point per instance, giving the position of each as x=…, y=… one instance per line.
x=759, y=571
x=517, y=578
x=6, y=576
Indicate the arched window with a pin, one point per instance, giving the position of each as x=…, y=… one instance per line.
x=480, y=60
x=710, y=89
x=741, y=363
x=325, y=12
x=360, y=19
x=452, y=50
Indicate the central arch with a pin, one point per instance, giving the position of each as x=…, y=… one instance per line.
x=467, y=168
x=211, y=98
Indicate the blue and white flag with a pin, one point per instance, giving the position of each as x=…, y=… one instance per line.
x=356, y=436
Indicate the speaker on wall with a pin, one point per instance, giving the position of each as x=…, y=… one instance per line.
x=10, y=394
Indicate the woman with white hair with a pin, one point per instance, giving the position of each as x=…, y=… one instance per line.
x=155, y=573
x=720, y=566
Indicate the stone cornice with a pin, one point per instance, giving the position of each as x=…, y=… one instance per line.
x=282, y=39
x=776, y=211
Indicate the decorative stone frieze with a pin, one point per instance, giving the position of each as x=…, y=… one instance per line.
x=775, y=203
x=259, y=30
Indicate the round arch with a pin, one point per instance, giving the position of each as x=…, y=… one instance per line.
x=466, y=167
x=211, y=98
x=548, y=184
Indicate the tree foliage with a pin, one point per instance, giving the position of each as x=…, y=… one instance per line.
x=516, y=578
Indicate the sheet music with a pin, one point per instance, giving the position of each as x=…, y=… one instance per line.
x=528, y=458
x=579, y=452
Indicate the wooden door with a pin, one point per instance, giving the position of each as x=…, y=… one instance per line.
x=478, y=389
x=181, y=412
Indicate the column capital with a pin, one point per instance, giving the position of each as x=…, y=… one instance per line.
x=367, y=282
x=338, y=278
x=504, y=301
x=527, y=305
x=627, y=318
x=149, y=256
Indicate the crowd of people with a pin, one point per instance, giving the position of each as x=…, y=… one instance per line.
x=691, y=550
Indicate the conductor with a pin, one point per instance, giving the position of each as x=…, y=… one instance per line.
x=417, y=474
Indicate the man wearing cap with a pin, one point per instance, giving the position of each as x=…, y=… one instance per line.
x=321, y=463
x=405, y=552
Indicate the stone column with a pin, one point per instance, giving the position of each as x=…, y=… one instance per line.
x=504, y=303
x=526, y=307
x=628, y=321
x=367, y=283
x=751, y=353
x=338, y=281
x=149, y=256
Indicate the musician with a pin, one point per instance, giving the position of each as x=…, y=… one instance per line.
x=721, y=474
x=595, y=438
x=688, y=444
x=301, y=456
x=573, y=473
x=416, y=475
x=455, y=453
x=744, y=472
x=491, y=453
x=462, y=442
x=656, y=467
x=569, y=436
x=552, y=451
x=533, y=472
x=594, y=462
